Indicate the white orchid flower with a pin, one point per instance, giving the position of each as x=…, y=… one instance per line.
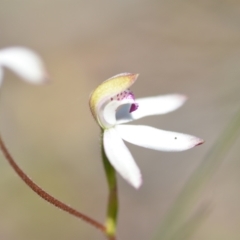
x=25, y=63
x=112, y=103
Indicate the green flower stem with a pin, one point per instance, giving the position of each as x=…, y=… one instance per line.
x=112, y=209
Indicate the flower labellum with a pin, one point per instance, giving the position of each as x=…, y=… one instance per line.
x=25, y=63
x=112, y=103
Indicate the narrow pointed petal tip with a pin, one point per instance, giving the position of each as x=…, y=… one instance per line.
x=198, y=141
x=137, y=184
x=134, y=76
x=182, y=97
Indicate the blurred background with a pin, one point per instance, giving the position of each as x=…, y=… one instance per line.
x=189, y=47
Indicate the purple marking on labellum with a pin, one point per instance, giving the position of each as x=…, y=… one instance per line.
x=133, y=107
x=130, y=95
x=127, y=94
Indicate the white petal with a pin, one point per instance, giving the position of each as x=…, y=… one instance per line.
x=157, y=139
x=120, y=157
x=25, y=63
x=152, y=106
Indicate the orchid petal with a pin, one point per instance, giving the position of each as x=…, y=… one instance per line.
x=157, y=139
x=151, y=106
x=120, y=157
x=25, y=63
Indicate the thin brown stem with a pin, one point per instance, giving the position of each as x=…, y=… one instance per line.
x=40, y=192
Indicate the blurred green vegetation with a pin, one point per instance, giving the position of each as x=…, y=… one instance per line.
x=176, y=224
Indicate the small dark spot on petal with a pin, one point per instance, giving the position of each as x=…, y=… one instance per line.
x=175, y=138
